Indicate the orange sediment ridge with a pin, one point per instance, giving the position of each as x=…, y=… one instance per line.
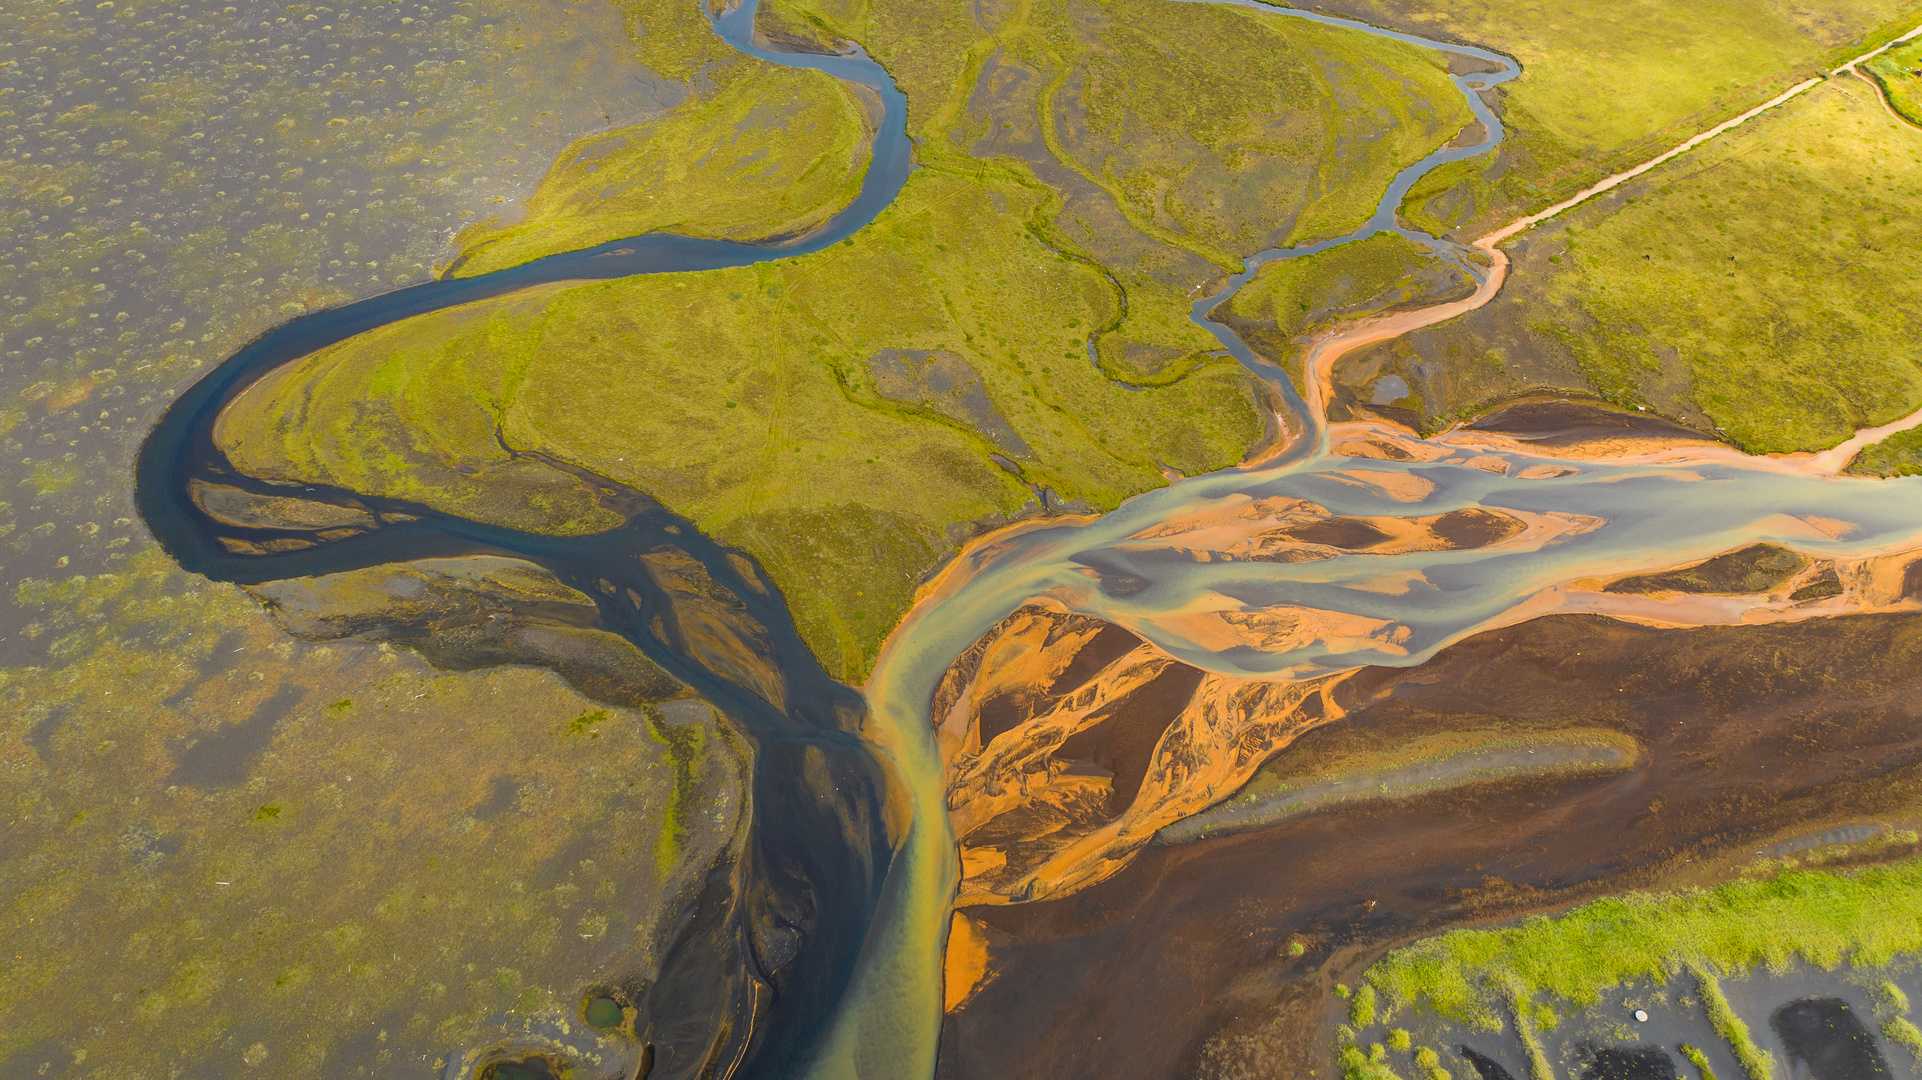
x=1404, y=487
x=1288, y=529
x=1871, y=584
x=964, y=968
x=1285, y=627
x=1033, y=810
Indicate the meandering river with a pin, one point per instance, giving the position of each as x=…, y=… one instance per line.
x=859, y=995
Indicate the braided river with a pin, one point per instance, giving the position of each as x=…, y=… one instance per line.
x=850, y=844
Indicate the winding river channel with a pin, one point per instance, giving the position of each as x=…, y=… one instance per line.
x=860, y=994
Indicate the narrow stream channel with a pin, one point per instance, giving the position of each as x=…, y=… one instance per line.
x=860, y=994
x=756, y=970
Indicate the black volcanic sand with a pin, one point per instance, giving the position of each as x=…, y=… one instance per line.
x=1181, y=958
x=1637, y=1063
x=1826, y=1041
x=1123, y=744
x=1563, y=422
x=1486, y=1067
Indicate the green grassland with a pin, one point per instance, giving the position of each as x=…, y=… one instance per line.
x=1899, y=73
x=1822, y=918
x=1290, y=298
x=743, y=400
x=769, y=152
x=1898, y=455
x=1547, y=969
x=1606, y=85
x=1762, y=286
x=1172, y=110
x=1180, y=136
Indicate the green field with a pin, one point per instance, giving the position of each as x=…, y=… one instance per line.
x=771, y=152
x=746, y=400
x=1762, y=286
x=792, y=409
x=1898, y=455
x=1606, y=85
x=1292, y=297
x=1181, y=137
x=1824, y=919
x=1899, y=73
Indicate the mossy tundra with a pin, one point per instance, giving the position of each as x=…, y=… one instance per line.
x=1759, y=287
x=752, y=400
x=1899, y=73
x=771, y=152
x=744, y=400
x=1606, y=86
x=1290, y=298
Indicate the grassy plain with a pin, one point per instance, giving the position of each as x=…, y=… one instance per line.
x=743, y=400
x=1291, y=297
x=1604, y=86
x=1180, y=137
x=1898, y=455
x=769, y=152
x=1171, y=110
x=1761, y=286
x=1821, y=918
x=1899, y=73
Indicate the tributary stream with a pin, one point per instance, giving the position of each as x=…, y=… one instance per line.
x=852, y=986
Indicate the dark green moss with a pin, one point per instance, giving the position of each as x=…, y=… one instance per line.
x=684, y=744
x=1758, y=568
x=1898, y=455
